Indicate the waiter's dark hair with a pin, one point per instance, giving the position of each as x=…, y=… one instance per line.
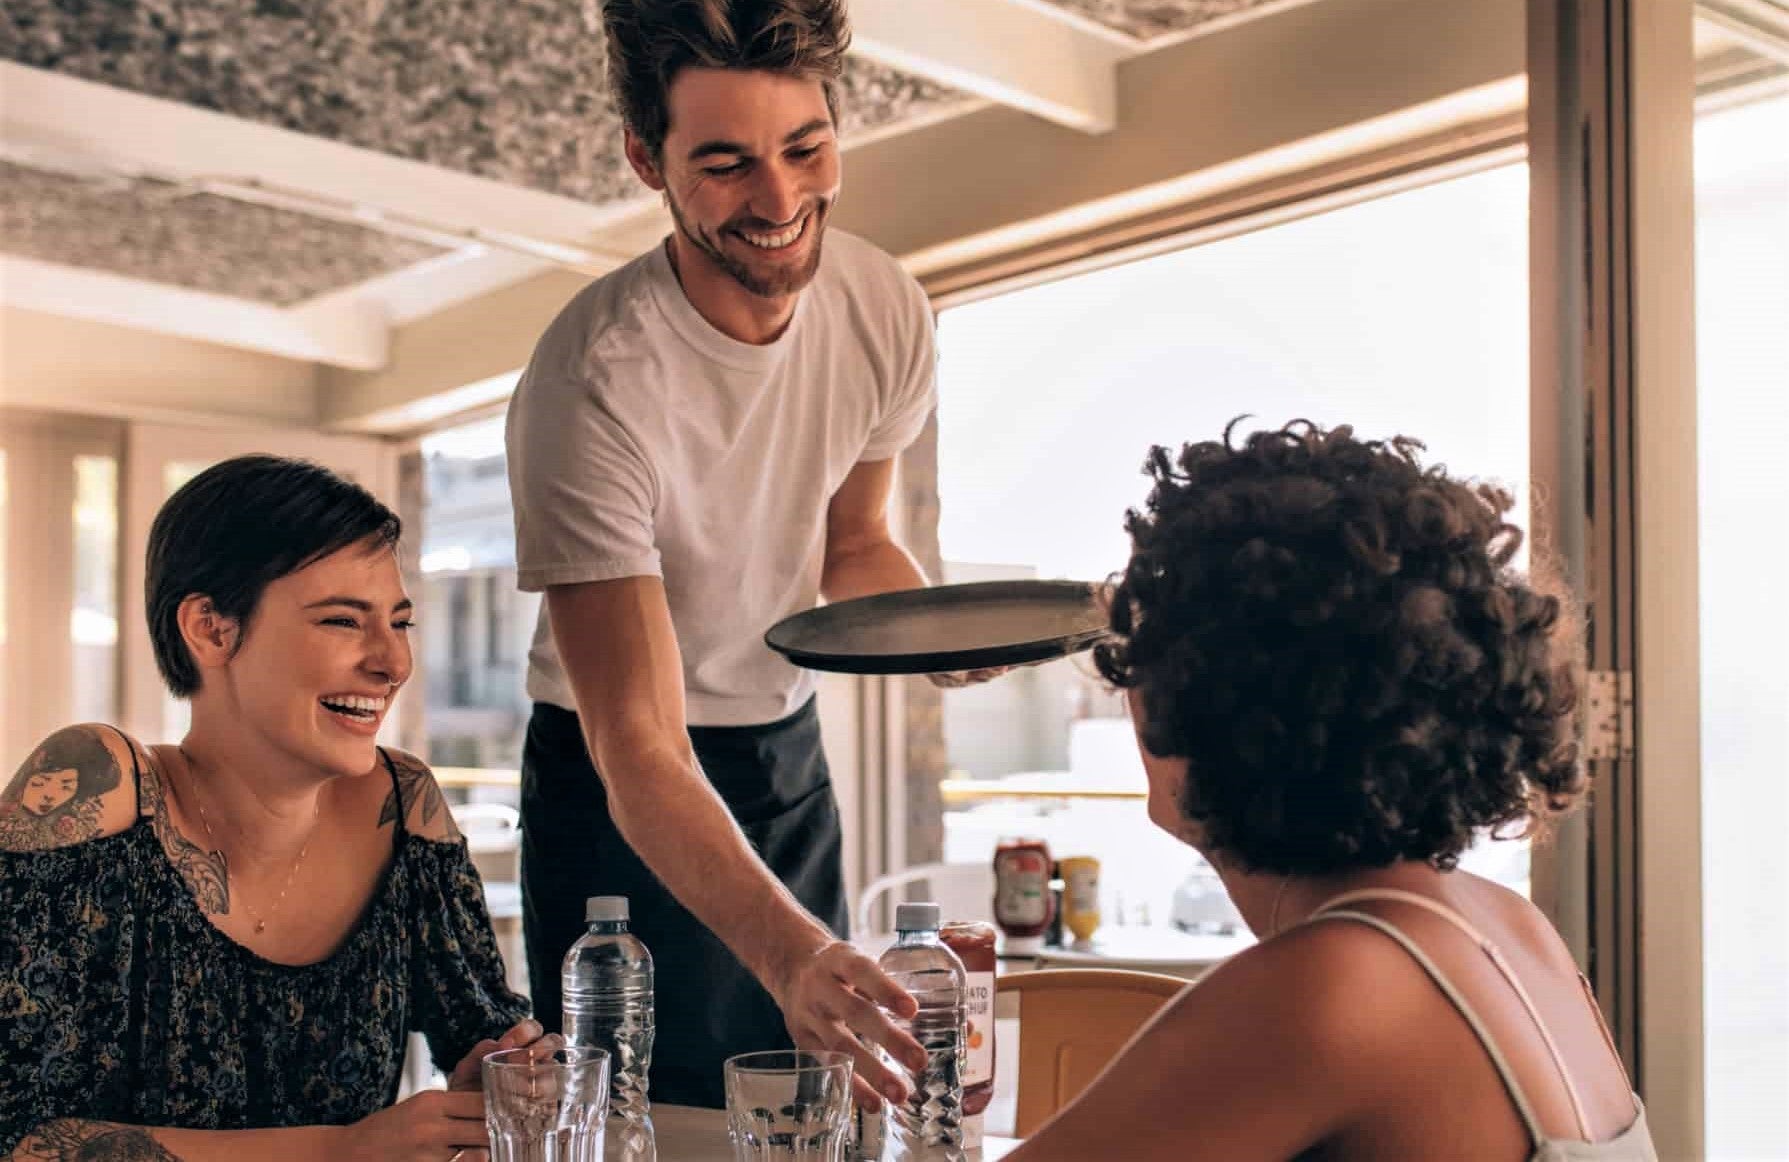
x=236, y=527
x=651, y=41
x=1332, y=636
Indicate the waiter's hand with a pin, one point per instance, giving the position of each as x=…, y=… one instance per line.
x=956, y=679
x=833, y=998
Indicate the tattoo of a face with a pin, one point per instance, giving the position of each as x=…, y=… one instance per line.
x=69, y=1140
x=53, y=799
x=207, y=873
x=416, y=791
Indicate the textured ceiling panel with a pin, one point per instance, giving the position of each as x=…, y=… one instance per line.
x=1148, y=19
x=150, y=230
x=509, y=90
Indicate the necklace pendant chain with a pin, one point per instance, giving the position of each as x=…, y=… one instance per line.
x=259, y=918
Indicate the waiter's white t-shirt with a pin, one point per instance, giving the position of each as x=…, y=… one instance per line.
x=643, y=442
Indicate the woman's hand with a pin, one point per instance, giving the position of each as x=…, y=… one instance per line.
x=467, y=1075
x=433, y=1126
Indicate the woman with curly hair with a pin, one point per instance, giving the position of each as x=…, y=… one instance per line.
x=1338, y=680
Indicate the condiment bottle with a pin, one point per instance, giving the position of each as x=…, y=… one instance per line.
x=1080, y=898
x=1022, y=903
x=973, y=942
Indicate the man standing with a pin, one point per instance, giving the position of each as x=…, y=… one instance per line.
x=702, y=444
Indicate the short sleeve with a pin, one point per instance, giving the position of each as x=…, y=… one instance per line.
x=65, y=1006
x=457, y=972
x=915, y=389
x=582, y=489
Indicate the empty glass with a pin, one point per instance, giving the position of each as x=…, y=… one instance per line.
x=546, y=1105
x=789, y=1104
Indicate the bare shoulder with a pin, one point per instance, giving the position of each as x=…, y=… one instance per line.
x=416, y=797
x=74, y=786
x=1335, y=993
x=1269, y=1054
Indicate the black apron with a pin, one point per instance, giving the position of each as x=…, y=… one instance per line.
x=708, y=1007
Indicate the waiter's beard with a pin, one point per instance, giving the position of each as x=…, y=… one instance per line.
x=778, y=282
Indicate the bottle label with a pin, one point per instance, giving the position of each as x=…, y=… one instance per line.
x=1021, y=887
x=1083, y=888
x=978, y=1019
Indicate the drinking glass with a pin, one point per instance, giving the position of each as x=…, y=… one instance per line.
x=545, y=1104
x=789, y=1103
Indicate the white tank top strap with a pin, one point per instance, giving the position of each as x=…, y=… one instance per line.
x=1496, y=957
x=1516, y=1096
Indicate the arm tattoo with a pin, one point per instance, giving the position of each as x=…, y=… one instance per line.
x=54, y=797
x=416, y=794
x=69, y=1140
x=207, y=873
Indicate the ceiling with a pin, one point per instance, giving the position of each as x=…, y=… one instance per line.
x=223, y=169
x=384, y=194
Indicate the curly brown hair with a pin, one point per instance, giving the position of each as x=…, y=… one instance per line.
x=1333, y=637
x=651, y=41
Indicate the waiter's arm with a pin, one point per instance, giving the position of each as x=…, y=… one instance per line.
x=862, y=556
x=619, y=649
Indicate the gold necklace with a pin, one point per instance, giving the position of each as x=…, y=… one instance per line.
x=198, y=801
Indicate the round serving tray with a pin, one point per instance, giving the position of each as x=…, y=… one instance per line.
x=971, y=626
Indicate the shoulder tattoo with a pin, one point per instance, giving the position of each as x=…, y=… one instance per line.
x=54, y=797
x=415, y=796
x=207, y=873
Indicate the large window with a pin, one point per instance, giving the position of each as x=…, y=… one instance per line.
x=1742, y=343
x=476, y=635
x=1403, y=315
x=59, y=585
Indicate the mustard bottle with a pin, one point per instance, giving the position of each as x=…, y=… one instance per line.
x=1080, y=896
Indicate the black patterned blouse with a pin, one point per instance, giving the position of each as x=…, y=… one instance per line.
x=121, y=1002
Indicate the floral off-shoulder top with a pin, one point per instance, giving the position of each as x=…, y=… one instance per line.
x=121, y=1002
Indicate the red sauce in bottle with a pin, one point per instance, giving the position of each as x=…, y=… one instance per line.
x=973, y=942
x=1023, y=905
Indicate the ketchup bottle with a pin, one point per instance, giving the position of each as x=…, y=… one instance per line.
x=1023, y=905
x=973, y=942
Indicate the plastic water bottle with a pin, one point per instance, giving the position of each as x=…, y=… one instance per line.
x=606, y=981
x=929, y=1126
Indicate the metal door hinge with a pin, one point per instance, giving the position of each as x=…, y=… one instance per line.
x=1609, y=714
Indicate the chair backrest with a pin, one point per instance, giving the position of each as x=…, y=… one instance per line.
x=1073, y=1021
x=966, y=891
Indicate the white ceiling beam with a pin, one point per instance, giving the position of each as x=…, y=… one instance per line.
x=80, y=121
x=1020, y=53
x=338, y=332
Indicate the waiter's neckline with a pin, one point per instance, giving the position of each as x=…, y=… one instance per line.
x=702, y=335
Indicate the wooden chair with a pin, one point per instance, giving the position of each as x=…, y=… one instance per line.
x=1071, y=1023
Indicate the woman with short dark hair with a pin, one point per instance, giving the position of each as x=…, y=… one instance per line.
x=216, y=949
x=1338, y=681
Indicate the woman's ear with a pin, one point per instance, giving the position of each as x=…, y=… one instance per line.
x=210, y=636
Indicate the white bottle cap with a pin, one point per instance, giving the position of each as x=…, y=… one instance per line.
x=917, y=917
x=605, y=909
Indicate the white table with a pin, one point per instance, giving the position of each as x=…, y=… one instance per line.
x=685, y=1134
x=1163, y=950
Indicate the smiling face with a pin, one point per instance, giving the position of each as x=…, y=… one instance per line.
x=750, y=168
x=45, y=791
x=324, y=653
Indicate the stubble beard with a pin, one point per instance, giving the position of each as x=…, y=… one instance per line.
x=779, y=285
